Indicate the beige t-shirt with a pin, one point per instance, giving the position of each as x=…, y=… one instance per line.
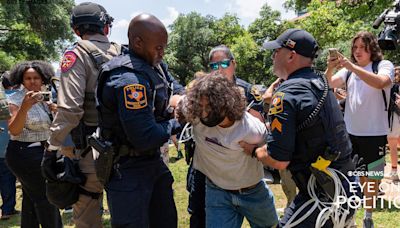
x=219, y=156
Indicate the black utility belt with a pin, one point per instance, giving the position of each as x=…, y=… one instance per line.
x=125, y=150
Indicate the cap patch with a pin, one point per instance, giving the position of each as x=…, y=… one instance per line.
x=290, y=43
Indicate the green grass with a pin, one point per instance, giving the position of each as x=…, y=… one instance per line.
x=383, y=218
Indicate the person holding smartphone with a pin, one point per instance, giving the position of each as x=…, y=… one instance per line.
x=364, y=95
x=29, y=128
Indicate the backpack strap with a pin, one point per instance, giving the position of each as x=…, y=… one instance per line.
x=375, y=70
x=98, y=56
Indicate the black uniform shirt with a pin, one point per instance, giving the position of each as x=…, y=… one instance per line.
x=290, y=105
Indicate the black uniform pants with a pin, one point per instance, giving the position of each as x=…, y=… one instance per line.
x=140, y=194
x=24, y=162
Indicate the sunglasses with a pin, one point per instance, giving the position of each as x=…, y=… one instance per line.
x=224, y=64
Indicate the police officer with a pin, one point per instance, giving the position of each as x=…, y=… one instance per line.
x=297, y=137
x=222, y=60
x=77, y=116
x=133, y=95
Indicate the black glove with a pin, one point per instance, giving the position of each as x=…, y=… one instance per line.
x=71, y=172
x=189, y=150
x=48, y=165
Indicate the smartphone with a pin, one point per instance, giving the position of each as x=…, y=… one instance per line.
x=333, y=53
x=42, y=96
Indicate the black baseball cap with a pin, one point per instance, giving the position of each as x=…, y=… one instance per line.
x=295, y=39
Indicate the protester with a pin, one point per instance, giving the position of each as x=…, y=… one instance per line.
x=222, y=60
x=216, y=108
x=367, y=78
x=300, y=133
x=133, y=93
x=29, y=128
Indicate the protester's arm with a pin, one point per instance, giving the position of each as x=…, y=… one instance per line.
x=334, y=80
x=262, y=155
x=378, y=81
x=267, y=96
x=19, y=114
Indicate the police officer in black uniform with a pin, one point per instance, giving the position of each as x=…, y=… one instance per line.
x=133, y=95
x=297, y=136
x=221, y=59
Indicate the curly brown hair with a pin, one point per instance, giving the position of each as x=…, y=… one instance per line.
x=371, y=45
x=224, y=98
x=44, y=69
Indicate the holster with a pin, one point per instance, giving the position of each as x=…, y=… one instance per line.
x=79, y=135
x=104, y=162
x=301, y=180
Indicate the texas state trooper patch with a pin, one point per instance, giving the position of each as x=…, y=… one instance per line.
x=68, y=61
x=276, y=104
x=135, y=96
x=256, y=93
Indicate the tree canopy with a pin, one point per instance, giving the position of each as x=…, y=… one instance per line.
x=333, y=24
x=33, y=30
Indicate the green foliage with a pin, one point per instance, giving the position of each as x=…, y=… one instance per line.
x=41, y=28
x=333, y=24
x=266, y=26
x=193, y=36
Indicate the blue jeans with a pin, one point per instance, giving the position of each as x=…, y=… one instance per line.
x=7, y=189
x=225, y=209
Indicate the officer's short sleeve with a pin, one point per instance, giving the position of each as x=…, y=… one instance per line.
x=135, y=111
x=282, y=136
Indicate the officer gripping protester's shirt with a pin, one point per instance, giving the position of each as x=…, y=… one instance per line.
x=77, y=117
x=308, y=134
x=221, y=60
x=135, y=119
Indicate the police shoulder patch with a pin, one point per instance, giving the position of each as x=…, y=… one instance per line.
x=256, y=93
x=276, y=104
x=276, y=125
x=135, y=96
x=68, y=61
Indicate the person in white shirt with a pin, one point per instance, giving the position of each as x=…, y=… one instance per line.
x=365, y=114
x=216, y=108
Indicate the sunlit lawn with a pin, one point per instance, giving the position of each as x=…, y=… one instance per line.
x=387, y=218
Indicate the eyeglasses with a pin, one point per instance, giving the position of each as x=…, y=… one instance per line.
x=224, y=64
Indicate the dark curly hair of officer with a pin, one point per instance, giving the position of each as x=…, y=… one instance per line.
x=44, y=69
x=371, y=45
x=224, y=98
